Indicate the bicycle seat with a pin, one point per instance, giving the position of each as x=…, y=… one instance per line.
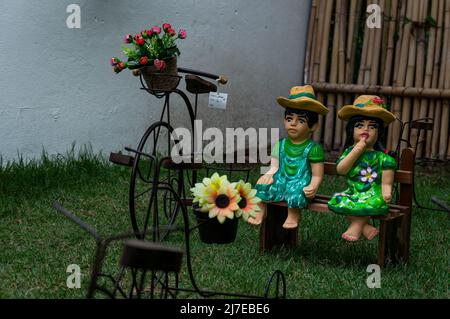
x=197, y=85
x=151, y=256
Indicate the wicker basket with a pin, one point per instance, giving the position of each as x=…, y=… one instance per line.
x=164, y=80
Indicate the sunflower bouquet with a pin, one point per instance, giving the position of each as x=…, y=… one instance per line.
x=219, y=198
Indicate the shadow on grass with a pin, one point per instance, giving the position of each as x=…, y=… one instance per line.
x=328, y=253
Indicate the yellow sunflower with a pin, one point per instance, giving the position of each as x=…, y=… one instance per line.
x=224, y=202
x=202, y=190
x=217, y=196
x=248, y=205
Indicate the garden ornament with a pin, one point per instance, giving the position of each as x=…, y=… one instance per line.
x=296, y=168
x=368, y=167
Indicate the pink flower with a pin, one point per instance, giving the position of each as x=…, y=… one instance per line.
x=171, y=31
x=143, y=60
x=128, y=38
x=166, y=26
x=159, y=64
x=182, y=34
x=156, y=29
x=377, y=100
x=114, y=61
x=149, y=32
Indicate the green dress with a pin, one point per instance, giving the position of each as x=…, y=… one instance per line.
x=293, y=174
x=363, y=196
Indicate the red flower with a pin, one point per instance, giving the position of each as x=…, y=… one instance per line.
x=143, y=60
x=182, y=34
x=156, y=29
x=121, y=65
x=171, y=31
x=117, y=69
x=159, y=64
x=150, y=32
x=128, y=38
x=166, y=26
x=139, y=40
x=377, y=100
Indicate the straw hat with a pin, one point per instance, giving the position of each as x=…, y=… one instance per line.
x=303, y=98
x=367, y=105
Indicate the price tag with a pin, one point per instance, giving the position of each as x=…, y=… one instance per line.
x=218, y=100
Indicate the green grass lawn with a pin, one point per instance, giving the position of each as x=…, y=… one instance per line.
x=38, y=243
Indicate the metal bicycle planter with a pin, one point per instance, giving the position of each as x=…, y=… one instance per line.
x=157, y=191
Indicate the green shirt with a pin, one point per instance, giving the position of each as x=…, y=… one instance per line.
x=316, y=154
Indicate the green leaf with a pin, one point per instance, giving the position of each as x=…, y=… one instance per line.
x=430, y=22
x=406, y=20
x=133, y=64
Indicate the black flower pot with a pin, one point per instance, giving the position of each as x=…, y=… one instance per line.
x=213, y=232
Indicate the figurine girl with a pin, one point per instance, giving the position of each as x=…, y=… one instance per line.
x=367, y=166
x=296, y=167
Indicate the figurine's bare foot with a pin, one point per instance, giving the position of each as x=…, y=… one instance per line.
x=353, y=232
x=350, y=238
x=370, y=232
x=292, y=219
x=257, y=220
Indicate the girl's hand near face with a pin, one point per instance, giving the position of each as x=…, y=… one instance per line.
x=361, y=145
x=345, y=165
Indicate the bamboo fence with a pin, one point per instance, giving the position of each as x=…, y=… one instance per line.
x=406, y=61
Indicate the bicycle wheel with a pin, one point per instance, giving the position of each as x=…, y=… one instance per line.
x=152, y=211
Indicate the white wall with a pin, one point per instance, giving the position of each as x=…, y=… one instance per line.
x=57, y=86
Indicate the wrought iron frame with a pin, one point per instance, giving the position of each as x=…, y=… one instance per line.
x=152, y=232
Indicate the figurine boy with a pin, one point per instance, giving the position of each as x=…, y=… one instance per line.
x=296, y=167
